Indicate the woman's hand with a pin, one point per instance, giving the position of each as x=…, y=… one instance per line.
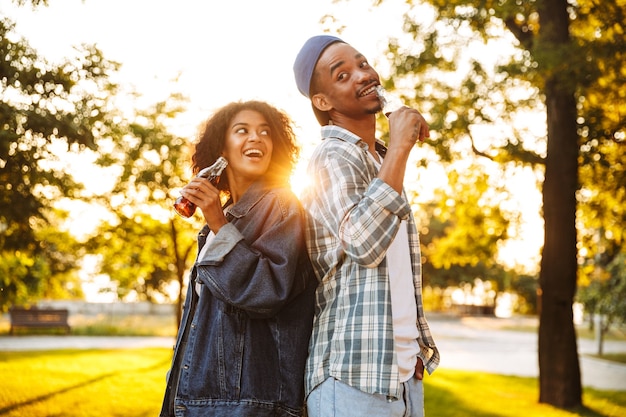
x=206, y=197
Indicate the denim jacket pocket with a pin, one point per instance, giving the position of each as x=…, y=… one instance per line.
x=221, y=353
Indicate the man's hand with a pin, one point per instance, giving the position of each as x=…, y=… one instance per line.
x=407, y=125
x=419, y=369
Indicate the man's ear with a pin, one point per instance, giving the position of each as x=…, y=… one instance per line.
x=320, y=102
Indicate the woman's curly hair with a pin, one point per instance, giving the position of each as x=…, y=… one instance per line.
x=212, y=138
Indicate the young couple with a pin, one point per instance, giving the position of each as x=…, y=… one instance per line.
x=308, y=307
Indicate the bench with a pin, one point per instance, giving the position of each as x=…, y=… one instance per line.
x=474, y=310
x=39, y=318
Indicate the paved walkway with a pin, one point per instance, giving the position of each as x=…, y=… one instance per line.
x=485, y=344
x=44, y=342
x=481, y=344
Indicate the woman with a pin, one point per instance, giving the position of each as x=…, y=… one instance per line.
x=242, y=343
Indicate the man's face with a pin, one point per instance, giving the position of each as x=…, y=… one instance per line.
x=347, y=82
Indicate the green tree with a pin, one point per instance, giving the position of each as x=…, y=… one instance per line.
x=567, y=60
x=602, y=216
x=42, y=104
x=604, y=296
x=147, y=246
x=466, y=226
x=51, y=273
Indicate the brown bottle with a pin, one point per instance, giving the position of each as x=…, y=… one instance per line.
x=185, y=207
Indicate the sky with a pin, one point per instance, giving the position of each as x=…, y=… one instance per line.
x=219, y=51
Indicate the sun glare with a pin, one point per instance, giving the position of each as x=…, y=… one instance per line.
x=300, y=179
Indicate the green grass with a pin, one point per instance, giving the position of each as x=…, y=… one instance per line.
x=131, y=382
x=450, y=393
x=85, y=383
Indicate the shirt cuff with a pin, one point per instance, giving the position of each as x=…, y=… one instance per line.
x=389, y=198
x=221, y=245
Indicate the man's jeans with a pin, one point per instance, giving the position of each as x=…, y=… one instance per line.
x=333, y=398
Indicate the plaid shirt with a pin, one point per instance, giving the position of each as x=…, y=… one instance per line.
x=352, y=219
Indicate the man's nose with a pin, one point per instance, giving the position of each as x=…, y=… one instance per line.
x=364, y=75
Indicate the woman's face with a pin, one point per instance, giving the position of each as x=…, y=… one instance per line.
x=248, y=147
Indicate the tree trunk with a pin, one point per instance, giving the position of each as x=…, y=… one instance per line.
x=559, y=369
x=180, y=271
x=599, y=332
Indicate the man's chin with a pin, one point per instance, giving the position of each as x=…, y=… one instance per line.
x=375, y=110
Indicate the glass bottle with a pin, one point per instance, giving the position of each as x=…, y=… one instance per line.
x=186, y=208
x=389, y=102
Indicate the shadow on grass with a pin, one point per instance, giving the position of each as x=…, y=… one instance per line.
x=32, y=355
x=586, y=412
x=448, y=393
x=50, y=395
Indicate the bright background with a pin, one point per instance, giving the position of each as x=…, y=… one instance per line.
x=220, y=51
x=213, y=52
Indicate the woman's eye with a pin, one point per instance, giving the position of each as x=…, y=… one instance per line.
x=241, y=130
x=265, y=132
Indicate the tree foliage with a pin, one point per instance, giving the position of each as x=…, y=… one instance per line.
x=146, y=245
x=465, y=227
x=42, y=104
x=51, y=273
x=142, y=246
x=606, y=292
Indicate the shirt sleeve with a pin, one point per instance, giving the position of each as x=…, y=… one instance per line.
x=257, y=273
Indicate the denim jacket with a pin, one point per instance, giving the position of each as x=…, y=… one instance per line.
x=242, y=343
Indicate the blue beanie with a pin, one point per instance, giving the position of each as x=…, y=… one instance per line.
x=307, y=58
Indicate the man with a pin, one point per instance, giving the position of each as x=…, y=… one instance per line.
x=370, y=340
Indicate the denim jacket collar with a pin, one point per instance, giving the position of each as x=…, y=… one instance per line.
x=249, y=199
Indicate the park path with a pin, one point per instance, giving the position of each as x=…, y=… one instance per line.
x=488, y=344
